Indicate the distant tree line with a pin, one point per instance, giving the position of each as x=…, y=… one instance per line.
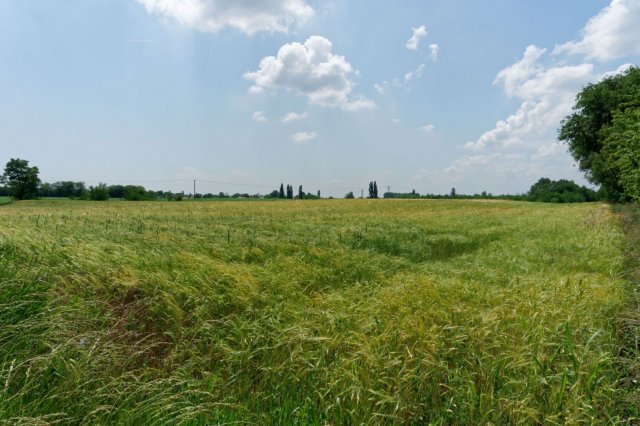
x=21, y=181
x=545, y=190
x=454, y=195
x=288, y=193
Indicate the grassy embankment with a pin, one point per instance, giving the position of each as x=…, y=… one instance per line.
x=310, y=312
x=629, y=318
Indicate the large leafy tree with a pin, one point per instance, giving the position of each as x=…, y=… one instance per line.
x=600, y=133
x=21, y=179
x=621, y=152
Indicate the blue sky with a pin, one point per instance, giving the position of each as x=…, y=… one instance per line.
x=423, y=95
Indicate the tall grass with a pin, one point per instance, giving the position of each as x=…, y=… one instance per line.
x=338, y=312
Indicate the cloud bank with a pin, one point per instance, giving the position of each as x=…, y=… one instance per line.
x=611, y=34
x=247, y=16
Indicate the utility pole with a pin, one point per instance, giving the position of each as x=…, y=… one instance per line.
x=388, y=189
x=362, y=193
x=194, y=188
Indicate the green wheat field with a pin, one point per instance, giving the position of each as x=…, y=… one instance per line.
x=318, y=312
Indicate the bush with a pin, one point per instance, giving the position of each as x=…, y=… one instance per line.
x=99, y=193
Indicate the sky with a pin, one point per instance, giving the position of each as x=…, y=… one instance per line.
x=242, y=95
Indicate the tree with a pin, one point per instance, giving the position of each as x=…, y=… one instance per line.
x=319, y=194
x=375, y=189
x=349, y=195
x=560, y=191
x=21, y=179
x=621, y=153
x=598, y=129
x=452, y=194
x=370, y=189
x=137, y=193
x=99, y=193
x=289, y=191
x=300, y=192
x=281, y=192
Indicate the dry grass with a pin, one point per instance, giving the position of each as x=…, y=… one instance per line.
x=338, y=312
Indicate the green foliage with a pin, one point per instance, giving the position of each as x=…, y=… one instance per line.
x=331, y=312
x=64, y=189
x=99, y=192
x=21, y=180
x=560, y=191
x=596, y=141
x=620, y=155
x=137, y=193
x=349, y=195
x=116, y=191
x=373, y=190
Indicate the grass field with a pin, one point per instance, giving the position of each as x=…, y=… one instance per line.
x=322, y=312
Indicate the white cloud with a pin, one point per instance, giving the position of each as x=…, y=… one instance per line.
x=434, y=49
x=549, y=150
x=310, y=69
x=547, y=97
x=247, y=16
x=415, y=74
x=302, y=137
x=428, y=128
x=259, y=117
x=611, y=34
x=399, y=83
x=293, y=116
x=548, y=92
x=381, y=88
x=497, y=172
x=512, y=77
x=418, y=33
x=358, y=103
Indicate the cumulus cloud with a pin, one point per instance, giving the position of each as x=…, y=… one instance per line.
x=547, y=96
x=290, y=117
x=247, y=16
x=428, y=128
x=434, y=49
x=310, y=69
x=611, y=34
x=259, y=117
x=302, y=137
x=511, y=78
x=418, y=33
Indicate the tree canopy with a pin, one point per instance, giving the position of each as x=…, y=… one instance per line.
x=560, y=191
x=21, y=179
x=602, y=134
